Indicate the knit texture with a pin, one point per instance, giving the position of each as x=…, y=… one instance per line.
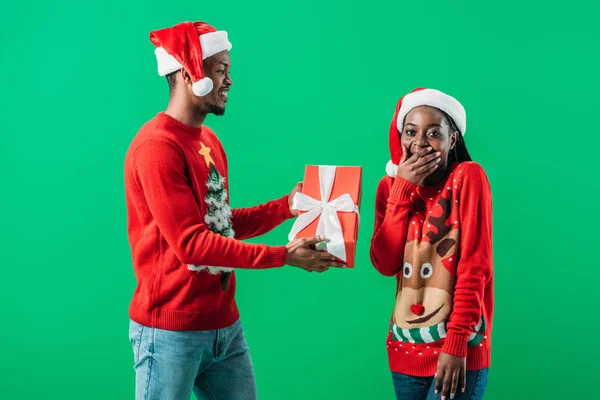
x=167, y=180
x=437, y=241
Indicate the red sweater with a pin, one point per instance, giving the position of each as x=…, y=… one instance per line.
x=166, y=172
x=438, y=242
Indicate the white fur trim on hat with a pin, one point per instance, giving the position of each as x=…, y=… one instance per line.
x=437, y=99
x=211, y=43
x=166, y=62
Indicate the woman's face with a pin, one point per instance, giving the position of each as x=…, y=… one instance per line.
x=426, y=126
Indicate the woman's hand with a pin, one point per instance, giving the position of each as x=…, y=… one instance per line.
x=419, y=166
x=451, y=375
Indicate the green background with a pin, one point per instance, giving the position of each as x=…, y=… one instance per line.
x=315, y=82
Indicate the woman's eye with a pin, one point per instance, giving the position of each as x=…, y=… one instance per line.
x=411, y=132
x=434, y=133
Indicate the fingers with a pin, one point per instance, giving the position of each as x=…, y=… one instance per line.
x=427, y=158
x=325, y=256
x=454, y=384
x=318, y=268
x=324, y=261
x=446, y=385
x=404, y=154
x=334, y=264
x=462, y=380
x=307, y=242
x=428, y=168
x=423, y=172
x=329, y=260
x=318, y=261
x=422, y=152
x=418, y=154
x=439, y=380
x=329, y=263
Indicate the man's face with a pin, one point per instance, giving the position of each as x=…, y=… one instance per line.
x=216, y=67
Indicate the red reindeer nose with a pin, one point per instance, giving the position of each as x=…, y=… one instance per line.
x=417, y=309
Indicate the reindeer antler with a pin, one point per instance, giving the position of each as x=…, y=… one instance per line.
x=442, y=228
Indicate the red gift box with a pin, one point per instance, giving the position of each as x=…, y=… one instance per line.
x=329, y=205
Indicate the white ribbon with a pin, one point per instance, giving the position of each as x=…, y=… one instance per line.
x=329, y=223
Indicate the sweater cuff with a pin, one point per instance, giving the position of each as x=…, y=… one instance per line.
x=276, y=256
x=455, y=344
x=402, y=189
x=285, y=211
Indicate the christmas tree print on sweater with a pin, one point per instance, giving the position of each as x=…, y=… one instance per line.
x=424, y=293
x=218, y=211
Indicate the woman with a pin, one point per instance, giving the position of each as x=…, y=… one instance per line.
x=433, y=231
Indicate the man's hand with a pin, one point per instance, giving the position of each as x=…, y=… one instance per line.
x=301, y=254
x=451, y=375
x=419, y=166
x=297, y=189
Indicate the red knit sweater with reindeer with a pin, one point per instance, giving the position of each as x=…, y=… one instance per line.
x=437, y=241
x=170, y=169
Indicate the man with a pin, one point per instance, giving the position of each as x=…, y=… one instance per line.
x=185, y=327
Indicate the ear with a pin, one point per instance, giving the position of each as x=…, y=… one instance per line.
x=186, y=77
x=453, y=139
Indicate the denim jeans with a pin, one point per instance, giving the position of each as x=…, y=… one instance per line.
x=170, y=365
x=423, y=388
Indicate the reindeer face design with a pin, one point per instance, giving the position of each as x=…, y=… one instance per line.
x=425, y=291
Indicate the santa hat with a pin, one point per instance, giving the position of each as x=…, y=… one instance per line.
x=416, y=98
x=186, y=45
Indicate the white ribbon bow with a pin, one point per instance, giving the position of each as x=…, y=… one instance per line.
x=329, y=223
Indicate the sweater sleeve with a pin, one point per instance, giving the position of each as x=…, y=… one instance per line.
x=160, y=172
x=391, y=225
x=256, y=221
x=475, y=259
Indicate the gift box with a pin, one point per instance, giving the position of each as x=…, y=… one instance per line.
x=329, y=205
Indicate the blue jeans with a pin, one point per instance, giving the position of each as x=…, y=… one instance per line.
x=170, y=365
x=423, y=388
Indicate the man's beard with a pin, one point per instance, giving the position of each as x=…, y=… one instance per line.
x=210, y=108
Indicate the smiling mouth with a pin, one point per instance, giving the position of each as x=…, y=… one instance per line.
x=224, y=93
x=425, y=318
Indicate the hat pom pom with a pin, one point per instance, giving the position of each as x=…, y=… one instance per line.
x=202, y=87
x=391, y=169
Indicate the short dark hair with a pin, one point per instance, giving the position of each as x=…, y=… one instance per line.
x=172, y=81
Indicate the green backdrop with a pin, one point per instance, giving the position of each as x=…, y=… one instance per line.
x=315, y=82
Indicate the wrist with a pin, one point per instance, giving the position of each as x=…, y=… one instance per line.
x=455, y=344
x=286, y=207
x=402, y=189
x=277, y=255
